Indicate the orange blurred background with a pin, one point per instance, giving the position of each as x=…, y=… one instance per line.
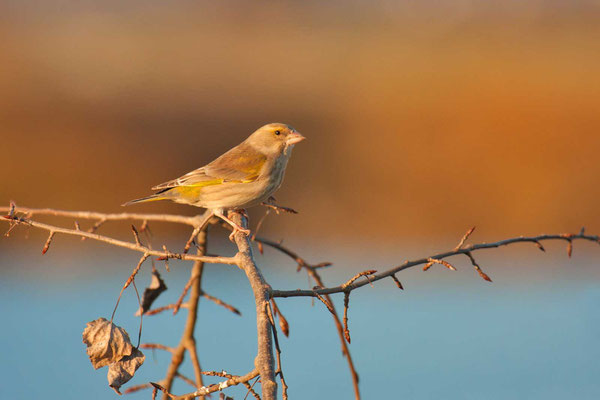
x=422, y=118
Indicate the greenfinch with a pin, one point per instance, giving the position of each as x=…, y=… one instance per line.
x=245, y=176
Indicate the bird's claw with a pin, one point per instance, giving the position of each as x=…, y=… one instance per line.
x=237, y=229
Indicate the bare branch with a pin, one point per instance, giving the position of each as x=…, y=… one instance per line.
x=262, y=294
x=179, y=219
x=127, y=245
x=408, y=264
x=312, y=270
x=188, y=342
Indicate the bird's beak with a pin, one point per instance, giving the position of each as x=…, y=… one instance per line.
x=294, y=137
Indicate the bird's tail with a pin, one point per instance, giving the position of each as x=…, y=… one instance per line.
x=154, y=197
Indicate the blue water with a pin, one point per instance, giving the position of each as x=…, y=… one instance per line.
x=532, y=334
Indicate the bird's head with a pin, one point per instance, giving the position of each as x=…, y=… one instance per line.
x=275, y=138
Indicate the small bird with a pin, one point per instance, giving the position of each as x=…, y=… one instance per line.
x=245, y=176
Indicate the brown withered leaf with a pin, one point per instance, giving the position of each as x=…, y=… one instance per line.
x=109, y=344
x=123, y=370
x=151, y=293
x=106, y=342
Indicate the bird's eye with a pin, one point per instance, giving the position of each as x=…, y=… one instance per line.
x=278, y=133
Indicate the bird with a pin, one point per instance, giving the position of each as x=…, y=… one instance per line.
x=246, y=175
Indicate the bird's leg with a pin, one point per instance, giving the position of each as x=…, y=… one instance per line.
x=205, y=218
x=236, y=227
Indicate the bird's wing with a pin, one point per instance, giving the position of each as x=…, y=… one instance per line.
x=241, y=164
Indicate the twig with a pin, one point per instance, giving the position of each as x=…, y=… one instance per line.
x=346, y=303
x=204, y=390
x=279, y=209
x=355, y=277
x=158, y=310
x=464, y=239
x=136, y=235
x=398, y=283
x=128, y=282
x=158, y=346
x=431, y=261
x=326, y=302
x=95, y=227
x=187, y=287
x=186, y=379
x=482, y=274
x=251, y=389
x=284, y=386
x=141, y=314
x=137, y=388
x=221, y=303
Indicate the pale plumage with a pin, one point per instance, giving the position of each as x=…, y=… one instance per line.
x=246, y=175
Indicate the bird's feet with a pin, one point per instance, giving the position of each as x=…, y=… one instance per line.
x=236, y=229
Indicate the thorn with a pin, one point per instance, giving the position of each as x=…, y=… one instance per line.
x=539, y=245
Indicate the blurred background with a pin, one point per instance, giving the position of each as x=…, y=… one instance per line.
x=422, y=118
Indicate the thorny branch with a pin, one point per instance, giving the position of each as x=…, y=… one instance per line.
x=115, y=242
x=265, y=360
x=439, y=258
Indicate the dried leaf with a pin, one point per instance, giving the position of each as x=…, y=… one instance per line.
x=122, y=371
x=106, y=342
x=151, y=293
x=109, y=344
